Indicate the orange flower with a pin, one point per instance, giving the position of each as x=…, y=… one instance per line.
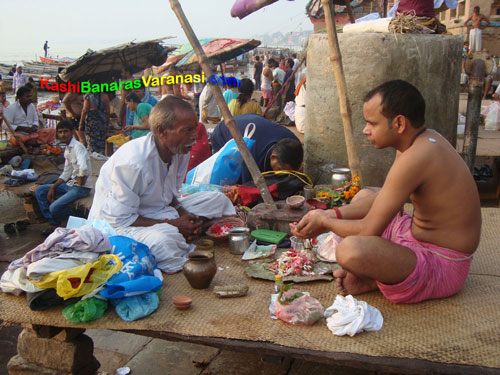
x=347, y=195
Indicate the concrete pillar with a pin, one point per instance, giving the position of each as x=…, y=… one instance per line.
x=430, y=62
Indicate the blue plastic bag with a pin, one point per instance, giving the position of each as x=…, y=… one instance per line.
x=137, y=275
x=136, y=307
x=141, y=285
x=223, y=167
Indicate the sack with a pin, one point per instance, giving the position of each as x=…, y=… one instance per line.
x=223, y=167
x=492, y=121
x=81, y=280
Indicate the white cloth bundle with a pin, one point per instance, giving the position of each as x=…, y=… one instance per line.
x=347, y=316
x=380, y=25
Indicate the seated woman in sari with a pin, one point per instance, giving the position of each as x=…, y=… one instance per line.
x=243, y=103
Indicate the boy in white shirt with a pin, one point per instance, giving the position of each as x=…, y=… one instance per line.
x=75, y=181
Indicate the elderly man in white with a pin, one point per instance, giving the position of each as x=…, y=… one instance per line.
x=137, y=189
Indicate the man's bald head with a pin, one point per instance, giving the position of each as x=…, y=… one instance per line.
x=163, y=114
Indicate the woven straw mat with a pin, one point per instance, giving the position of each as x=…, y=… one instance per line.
x=462, y=329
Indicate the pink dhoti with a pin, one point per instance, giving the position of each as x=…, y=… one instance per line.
x=439, y=273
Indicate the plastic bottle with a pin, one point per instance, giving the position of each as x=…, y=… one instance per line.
x=278, y=283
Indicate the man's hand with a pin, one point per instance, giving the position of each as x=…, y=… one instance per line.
x=50, y=194
x=189, y=225
x=80, y=180
x=311, y=225
x=128, y=128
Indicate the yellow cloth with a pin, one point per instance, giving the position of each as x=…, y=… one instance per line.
x=249, y=107
x=76, y=282
x=118, y=139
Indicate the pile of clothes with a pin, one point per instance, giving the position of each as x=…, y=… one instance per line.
x=84, y=270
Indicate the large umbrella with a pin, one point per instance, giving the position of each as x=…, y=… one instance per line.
x=105, y=65
x=218, y=50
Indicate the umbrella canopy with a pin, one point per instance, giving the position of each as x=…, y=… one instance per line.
x=218, y=50
x=105, y=65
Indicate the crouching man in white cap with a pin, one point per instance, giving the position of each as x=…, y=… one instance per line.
x=137, y=189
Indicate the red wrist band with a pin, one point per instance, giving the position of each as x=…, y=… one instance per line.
x=337, y=212
x=165, y=221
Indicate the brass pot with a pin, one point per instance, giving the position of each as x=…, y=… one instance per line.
x=200, y=269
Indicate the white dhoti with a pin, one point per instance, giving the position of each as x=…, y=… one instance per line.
x=164, y=240
x=475, y=40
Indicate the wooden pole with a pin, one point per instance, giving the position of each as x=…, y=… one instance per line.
x=14, y=134
x=258, y=179
x=385, y=8
x=345, y=108
x=349, y=11
x=282, y=87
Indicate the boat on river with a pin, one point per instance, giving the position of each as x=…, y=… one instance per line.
x=56, y=61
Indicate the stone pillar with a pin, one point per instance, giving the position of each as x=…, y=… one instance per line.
x=64, y=353
x=430, y=62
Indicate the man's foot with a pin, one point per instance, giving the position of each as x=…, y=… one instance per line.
x=347, y=283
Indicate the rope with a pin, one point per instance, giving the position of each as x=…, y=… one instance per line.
x=301, y=176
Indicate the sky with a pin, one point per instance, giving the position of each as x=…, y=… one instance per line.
x=73, y=26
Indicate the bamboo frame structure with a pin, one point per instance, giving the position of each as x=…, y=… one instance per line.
x=258, y=179
x=345, y=108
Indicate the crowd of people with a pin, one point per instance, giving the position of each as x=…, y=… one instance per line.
x=137, y=191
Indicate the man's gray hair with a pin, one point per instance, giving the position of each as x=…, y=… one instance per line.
x=162, y=115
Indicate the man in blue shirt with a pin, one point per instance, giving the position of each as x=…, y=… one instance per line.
x=276, y=147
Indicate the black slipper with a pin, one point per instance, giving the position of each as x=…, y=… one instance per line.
x=21, y=225
x=10, y=228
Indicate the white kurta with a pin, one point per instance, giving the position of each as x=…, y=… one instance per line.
x=16, y=116
x=136, y=182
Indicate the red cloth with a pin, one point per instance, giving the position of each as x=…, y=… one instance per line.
x=201, y=150
x=422, y=8
x=250, y=195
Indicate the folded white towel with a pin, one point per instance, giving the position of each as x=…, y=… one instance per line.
x=347, y=316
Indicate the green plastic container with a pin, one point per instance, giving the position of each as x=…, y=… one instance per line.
x=268, y=235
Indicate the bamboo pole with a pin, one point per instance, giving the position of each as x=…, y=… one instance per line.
x=345, y=108
x=349, y=11
x=282, y=87
x=257, y=177
x=14, y=133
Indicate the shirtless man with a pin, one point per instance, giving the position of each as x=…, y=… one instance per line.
x=170, y=89
x=475, y=34
x=408, y=258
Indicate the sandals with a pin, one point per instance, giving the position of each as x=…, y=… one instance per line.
x=18, y=226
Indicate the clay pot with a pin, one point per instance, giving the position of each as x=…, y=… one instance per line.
x=182, y=302
x=200, y=269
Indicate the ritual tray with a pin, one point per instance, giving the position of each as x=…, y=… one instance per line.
x=259, y=269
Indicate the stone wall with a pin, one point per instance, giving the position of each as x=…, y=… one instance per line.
x=431, y=63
